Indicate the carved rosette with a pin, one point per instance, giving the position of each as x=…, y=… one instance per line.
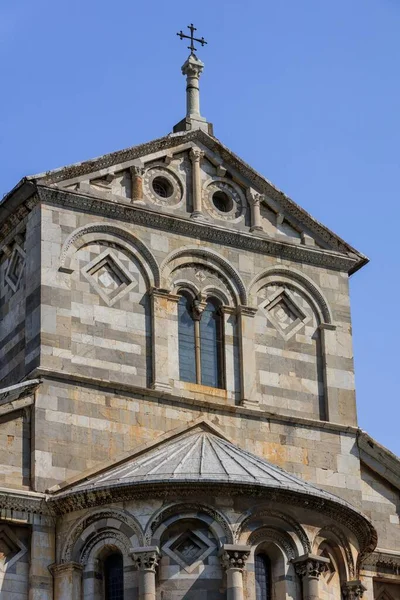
x=311, y=566
x=146, y=559
x=353, y=590
x=234, y=557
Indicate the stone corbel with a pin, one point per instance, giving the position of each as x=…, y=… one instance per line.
x=254, y=200
x=137, y=173
x=353, y=590
x=233, y=560
x=146, y=559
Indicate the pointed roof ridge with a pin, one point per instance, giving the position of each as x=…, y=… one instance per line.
x=183, y=431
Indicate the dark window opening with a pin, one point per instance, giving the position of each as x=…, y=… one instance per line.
x=211, y=346
x=262, y=566
x=222, y=202
x=114, y=577
x=186, y=340
x=201, y=342
x=162, y=187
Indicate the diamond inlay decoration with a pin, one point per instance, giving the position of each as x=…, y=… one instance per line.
x=11, y=548
x=189, y=549
x=284, y=313
x=15, y=268
x=109, y=277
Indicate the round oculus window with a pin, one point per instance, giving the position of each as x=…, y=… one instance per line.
x=162, y=187
x=222, y=201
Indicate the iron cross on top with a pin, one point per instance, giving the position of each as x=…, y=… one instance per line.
x=191, y=37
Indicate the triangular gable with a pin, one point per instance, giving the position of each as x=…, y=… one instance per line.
x=75, y=177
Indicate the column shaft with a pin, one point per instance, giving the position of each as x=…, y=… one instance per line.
x=196, y=156
x=147, y=584
x=234, y=583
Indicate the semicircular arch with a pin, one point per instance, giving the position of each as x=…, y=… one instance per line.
x=290, y=276
x=99, y=519
x=209, y=258
x=166, y=516
x=98, y=232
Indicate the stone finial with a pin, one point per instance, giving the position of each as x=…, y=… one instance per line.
x=234, y=556
x=353, y=590
x=192, y=69
x=310, y=565
x=146, y=558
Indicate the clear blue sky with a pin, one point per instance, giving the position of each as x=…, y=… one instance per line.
x=306, y=91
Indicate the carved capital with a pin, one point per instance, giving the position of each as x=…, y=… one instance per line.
x=234, y=557
x=137, y=170
x=353, y=590
x=196, y=155
x=198, y=308
x=253, y=198
x=310, y=565
x=57, y=570
x=146, y=558
x=193, y=67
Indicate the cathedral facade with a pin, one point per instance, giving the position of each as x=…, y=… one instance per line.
x=177, y=404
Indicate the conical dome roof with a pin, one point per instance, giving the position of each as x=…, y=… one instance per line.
x=202, y=454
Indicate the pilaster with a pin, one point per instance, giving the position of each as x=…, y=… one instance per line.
x=164, y=305
x=67, y=580
x=137, y=173
x=247, y=356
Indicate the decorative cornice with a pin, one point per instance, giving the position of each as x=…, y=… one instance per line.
x=385, y=562
x=24, y=502
x=205, y=231
x=214, y=145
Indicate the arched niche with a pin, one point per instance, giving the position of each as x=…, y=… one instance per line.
x=98, y=232
x=189, y=547
x=289, y=355
x=166, y=516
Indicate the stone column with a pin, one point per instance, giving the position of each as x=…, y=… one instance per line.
x=353, y=590
x=195, y=156
x=233, y=560
x=67, y=581
x=309, y=567
x=146, y=562
x=42, y=555
x=164, y=309
x=247, y=356
x=137, y=173
x=254, y=200
x=192, y=68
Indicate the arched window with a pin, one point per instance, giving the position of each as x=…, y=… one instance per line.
x=262, y=565
x=200, y=339
x=211, y=345
x=186, y=340
x=114, y=577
